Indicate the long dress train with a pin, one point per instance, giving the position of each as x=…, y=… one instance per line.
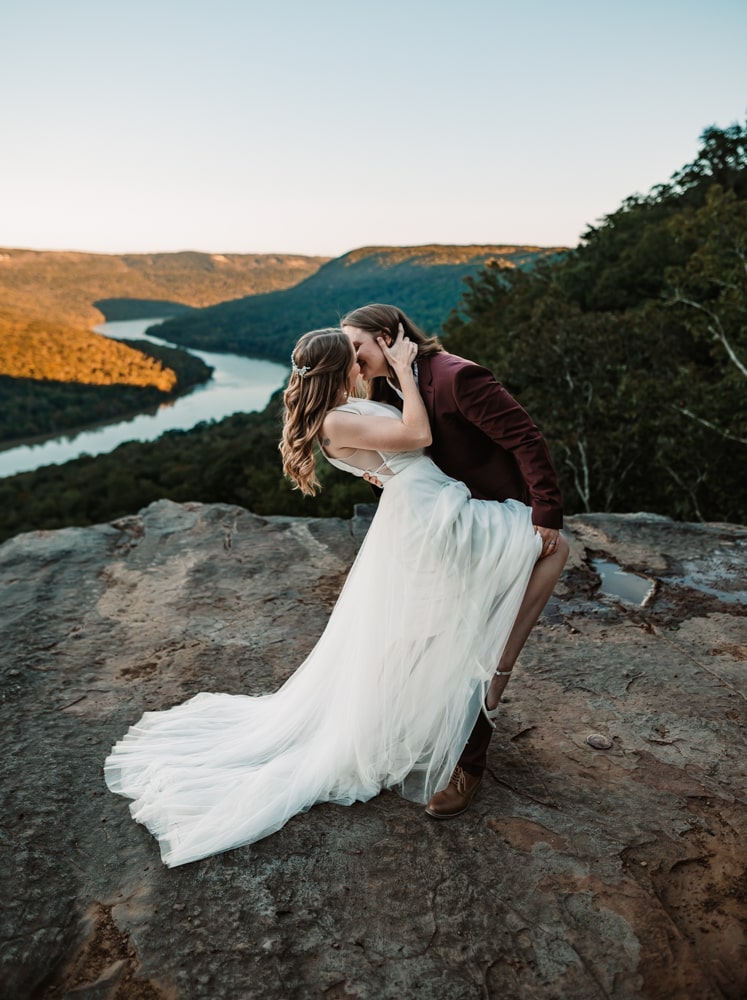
x=387, y=697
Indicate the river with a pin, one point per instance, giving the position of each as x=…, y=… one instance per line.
x=237, y=385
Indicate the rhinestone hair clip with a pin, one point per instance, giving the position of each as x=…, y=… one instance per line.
x=299, y=371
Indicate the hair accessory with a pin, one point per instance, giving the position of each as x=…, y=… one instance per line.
x=299, y=371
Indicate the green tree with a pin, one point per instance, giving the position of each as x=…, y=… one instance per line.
x=631, y=351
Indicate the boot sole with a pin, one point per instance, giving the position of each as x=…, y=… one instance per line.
x=435, y=815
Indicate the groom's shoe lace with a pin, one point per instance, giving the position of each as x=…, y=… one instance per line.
x=459, y=779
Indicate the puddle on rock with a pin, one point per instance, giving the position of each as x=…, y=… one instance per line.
x=616, y=582
x=698, y=581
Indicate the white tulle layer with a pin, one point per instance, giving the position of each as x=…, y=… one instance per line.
x=386, y=699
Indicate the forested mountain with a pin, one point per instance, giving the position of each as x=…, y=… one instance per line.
x=426, y=281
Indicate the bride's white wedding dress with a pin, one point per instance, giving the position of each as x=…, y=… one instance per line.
x=387, y=697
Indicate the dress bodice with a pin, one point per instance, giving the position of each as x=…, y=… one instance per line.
x=382, y=464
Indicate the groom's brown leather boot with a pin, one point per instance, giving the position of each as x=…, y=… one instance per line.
x=456, y=797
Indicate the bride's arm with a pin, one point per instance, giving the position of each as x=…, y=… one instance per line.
x=401, y=356
x=352, y=430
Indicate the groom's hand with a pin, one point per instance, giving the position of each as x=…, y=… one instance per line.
x=373, y=480
x=549, y=538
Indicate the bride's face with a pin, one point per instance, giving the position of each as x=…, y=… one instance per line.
x=370, y=357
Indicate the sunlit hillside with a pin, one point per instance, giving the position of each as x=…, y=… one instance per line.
x=33, y=349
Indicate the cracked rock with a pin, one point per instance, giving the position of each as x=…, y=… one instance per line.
x=579, y=872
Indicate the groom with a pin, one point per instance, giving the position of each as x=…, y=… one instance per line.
x=482, y=437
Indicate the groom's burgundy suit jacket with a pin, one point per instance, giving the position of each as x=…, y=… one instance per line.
x=482, y=437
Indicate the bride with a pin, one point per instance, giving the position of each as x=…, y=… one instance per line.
x=390, y=693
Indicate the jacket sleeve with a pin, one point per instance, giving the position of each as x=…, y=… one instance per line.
x=486, y=404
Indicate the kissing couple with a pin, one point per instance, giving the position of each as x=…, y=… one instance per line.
x=402, y=689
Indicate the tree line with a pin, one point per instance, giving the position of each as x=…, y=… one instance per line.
x=235, y=460
x=631, y=350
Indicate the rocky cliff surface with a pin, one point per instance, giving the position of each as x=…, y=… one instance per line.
x=578, y=873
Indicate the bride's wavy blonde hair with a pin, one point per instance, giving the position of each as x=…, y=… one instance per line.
x=318, y=382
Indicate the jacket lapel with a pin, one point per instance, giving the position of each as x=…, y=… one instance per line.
x=426, y=386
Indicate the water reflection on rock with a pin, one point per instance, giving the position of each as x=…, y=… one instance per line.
x=617, y=582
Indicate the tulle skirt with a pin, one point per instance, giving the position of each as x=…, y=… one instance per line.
x=386, y=699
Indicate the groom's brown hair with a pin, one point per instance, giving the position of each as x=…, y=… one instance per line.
x=379, y=319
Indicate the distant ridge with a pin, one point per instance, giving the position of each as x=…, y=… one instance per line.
x=426, y=281
x=64, y=285
x=432, y=254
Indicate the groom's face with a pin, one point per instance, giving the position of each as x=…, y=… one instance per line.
x=370, y=358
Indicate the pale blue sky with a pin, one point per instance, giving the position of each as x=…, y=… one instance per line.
x=315, y=128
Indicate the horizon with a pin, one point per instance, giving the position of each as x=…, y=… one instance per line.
x=498, y=244
x=318, y=131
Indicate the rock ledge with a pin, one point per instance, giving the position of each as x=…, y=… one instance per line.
x=579, y=872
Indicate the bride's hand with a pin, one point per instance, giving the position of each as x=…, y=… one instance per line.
x=402, y=352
